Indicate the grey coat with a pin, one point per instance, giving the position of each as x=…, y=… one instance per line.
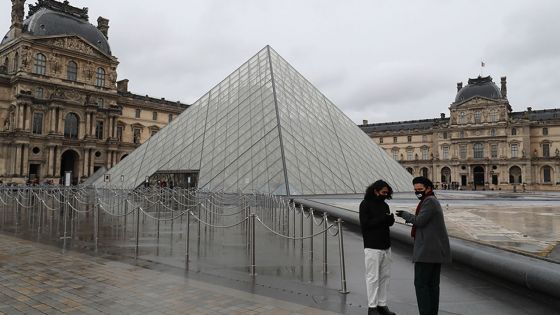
x=431, y=244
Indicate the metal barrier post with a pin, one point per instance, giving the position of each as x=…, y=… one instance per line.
x=311, y=232
x=96, y=226
x=325, y=234
x=343, y=288
x=252, y=269
x=188, y=238
x=137, y=232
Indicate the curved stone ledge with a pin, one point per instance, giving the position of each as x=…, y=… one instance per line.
x=535, y=274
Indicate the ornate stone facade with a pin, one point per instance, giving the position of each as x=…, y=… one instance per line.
x=482, y=145
x=61, y=108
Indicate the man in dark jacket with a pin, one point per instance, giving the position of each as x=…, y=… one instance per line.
x=431, y=245
x=375, y=220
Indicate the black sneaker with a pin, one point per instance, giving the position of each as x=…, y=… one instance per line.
x=384, y=310
x=373, y=311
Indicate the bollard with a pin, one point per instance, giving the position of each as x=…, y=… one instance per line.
x=137, y=232
x=311, y=232
x=252, y=272
x=343, y=289
x=187, y=245
x=96, y=226
x=325, y=234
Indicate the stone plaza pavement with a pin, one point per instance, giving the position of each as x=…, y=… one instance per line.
x=40, y=279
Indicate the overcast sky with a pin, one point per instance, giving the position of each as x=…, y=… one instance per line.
x=378, y=60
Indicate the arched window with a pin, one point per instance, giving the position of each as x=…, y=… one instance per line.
x=410, y=170
x=72, y=73
x=513, y=131
x=547, y=174
x=446, y=175
x=515, y=175
x=40, y=64
x=71, y=126
x=100, y=77
x=424, y=172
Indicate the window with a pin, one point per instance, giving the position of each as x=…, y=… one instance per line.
x=100, y=102
x=137, y=132
x=513, y=131
x=494, y=150
x=395, y=154
x=409, y=139
x=381, y=140
x=99, y=130
x=154, y=116
x=119, y=133
x=493, y=132
x=37, y=123
x=514, y=149
x=137, y=114
x=6, y=63
x=409, y=153
x=394, y=139
x=39, y=92
x=462, y=117
x=72, y=71
x=477, y=117
x=71, y=124
x=461, y=134
x=493, y=116
x=40, y=64
x=170, y=119
x=445, y=135
x=463, y=151
x=478, y=151
x=154, y=132
x=424, y=138
x=100, y=77
x=545, y=131
x=425, y=152
x=546, y=150
x=546, y=174
x=445, y=153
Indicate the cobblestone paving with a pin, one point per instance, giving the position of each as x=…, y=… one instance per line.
x=39, y=279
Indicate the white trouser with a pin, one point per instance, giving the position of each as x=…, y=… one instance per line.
x=378, y=270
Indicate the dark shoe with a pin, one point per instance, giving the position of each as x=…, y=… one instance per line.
x=373, y=311
x=384, y=310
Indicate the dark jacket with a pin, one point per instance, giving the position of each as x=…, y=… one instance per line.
x=431, y=244
x=375, y=222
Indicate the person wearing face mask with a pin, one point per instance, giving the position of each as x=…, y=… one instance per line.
x=431, y=245
x=375, y=220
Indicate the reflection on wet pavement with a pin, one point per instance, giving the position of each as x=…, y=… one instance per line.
x=524, y=222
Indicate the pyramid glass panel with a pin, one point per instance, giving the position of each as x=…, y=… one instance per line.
x=264, y=128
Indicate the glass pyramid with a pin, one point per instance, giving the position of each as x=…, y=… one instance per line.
x=265, y=129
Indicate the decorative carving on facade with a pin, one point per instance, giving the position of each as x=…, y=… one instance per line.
x=76, y=44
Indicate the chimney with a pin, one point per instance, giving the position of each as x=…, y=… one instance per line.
x=103, y=26
x=442, y=115
x=17, y=17
x=365, y=122
x=122, y=86
x=529, y=109
x=459, y=86
x=504, y=87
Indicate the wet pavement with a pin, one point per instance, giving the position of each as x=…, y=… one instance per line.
x=527, y=223
x=40, y=279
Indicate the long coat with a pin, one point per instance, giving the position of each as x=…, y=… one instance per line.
x=431, y=244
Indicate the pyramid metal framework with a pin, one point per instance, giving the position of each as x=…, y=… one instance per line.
x=266, y=129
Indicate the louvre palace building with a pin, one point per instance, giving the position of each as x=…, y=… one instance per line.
x=483, y=144
x=61, y=106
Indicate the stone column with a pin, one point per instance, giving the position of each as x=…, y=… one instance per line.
x=20, y=114
x=17, y=167
x=93, y=122
x=60, y=121
x=86, y=162
x=57, y=161
x=91, y=162
x=86, y=129
x=25, y=164
x=108, y=160
x=28, y=118
x=50, y=160
x=53, y=121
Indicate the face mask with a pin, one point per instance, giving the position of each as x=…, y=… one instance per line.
x=382, y=197
x=419, y=194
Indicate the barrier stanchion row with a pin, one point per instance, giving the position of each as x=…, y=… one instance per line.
x=137, y=222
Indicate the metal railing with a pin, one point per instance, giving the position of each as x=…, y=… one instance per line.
x=92, y=217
